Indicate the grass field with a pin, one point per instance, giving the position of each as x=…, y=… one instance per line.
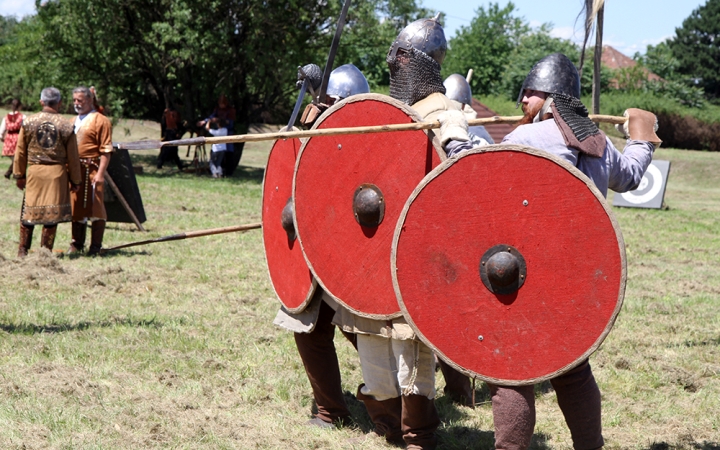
x=171, y=345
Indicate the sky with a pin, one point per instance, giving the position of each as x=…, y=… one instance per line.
x=630, y=26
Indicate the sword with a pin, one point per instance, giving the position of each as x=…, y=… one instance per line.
x=153, y=144
x=333, y=51
x=298, y=103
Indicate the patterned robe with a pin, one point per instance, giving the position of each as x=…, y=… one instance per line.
x=46, y=153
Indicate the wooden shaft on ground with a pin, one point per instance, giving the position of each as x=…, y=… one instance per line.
x=140, y=145
x=187, y=235
x=124, y=202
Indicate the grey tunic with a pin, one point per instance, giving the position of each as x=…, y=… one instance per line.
x=620, y=172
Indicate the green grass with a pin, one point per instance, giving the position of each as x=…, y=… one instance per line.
x=171, y=345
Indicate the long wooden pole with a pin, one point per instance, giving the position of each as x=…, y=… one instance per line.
x=597, y=61
x=187, y=235
x=148, y=144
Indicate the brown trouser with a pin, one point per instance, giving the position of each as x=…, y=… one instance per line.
x=317, y=351
x=579, y=399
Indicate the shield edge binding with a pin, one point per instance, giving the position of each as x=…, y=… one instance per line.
x=436, y=145
x=572, y=170
x=313, y=284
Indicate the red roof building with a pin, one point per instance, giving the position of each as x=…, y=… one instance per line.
x=497, y=131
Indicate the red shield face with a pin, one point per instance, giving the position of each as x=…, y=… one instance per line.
x=508, y=263
x=289, y=273
x=349, y=191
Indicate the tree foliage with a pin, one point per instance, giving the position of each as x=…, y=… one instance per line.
x=697, y=47
x=485, y=46
x=143, y=55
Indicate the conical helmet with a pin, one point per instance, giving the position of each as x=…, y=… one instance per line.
x=554, y=74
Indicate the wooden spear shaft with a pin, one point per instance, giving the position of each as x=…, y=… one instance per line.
x=148, y=144
x=189, y=234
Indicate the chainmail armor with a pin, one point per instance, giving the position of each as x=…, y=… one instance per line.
x=575, y=115
x=415, y=80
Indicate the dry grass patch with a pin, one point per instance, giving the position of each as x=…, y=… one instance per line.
x=171, y=345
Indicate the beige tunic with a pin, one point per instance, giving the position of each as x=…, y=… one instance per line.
x=94, y=138
x=46, y=152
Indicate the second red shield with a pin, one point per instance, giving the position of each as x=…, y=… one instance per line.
x=349, y=191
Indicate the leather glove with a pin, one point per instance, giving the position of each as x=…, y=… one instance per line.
x=453, y=127
x=640, y=125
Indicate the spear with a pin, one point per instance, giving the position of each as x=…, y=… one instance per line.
x=189, y=234
x=153, y=144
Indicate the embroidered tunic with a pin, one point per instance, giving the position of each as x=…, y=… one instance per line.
x=46, y=153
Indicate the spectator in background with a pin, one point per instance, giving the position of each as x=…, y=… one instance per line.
x=9, y=132
x=225, y=111
x=217, y=127
x=170, y=130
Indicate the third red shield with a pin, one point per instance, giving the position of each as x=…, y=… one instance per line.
x=509, y=264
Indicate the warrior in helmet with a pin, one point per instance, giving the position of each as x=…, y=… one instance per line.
x=556, y=121
x=313, y=329
x=458, y=90
x=399, y=370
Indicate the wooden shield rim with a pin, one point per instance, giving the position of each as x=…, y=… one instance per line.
x=436, y=145
x=572, y=170
x=313, y=284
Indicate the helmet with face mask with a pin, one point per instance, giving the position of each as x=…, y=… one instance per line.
x=414, y=59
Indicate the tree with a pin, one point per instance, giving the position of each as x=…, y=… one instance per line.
x=485, y=46
x=697, y=47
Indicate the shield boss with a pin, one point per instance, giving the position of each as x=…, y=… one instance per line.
x=349, y=191
x=289, y=273
x=509, y=263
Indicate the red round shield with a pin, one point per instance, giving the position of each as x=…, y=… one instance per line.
x=292, y=280
x=508, y=262
x=349, y=191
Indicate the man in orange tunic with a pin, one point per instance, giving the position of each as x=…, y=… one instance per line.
x=94, y=139
x=46, y=152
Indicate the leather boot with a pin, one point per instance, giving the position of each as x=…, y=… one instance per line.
x=317, y=352
x=386, y=415
x=419, y=422
x=47, y=239
x=98, y=230
x=77, y=244
x=457, y=385
x=26, y=232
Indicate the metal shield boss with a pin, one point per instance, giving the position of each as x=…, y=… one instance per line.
x=349, y=191
x=509, y=264
x=290, y=276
